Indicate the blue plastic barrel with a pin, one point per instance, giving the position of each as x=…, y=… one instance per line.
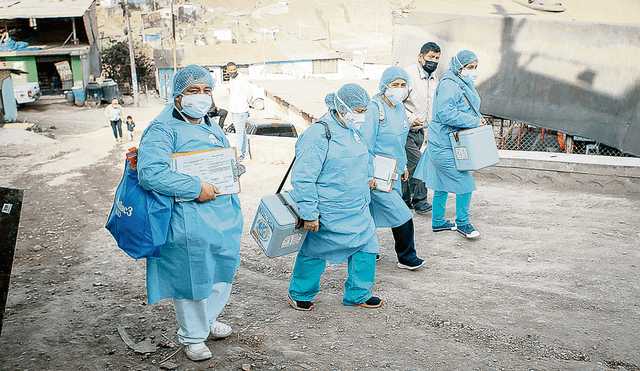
x=78, y=93
x=70, y=97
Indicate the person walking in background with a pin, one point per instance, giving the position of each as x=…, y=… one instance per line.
x=240, y=97
x=201, y=256
x=130, y=127
x=385, y=129
x=330, y=180
x=419, y=104
x=456, y=106
x=219, y=112
x=115, y=115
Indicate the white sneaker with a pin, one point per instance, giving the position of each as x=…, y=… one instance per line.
x=220, y=331
x=197, y=352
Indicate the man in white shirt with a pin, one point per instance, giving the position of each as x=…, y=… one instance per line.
x=240, y=96
x=419, y=105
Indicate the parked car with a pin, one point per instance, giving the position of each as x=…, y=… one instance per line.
x=26, y=92
x=268, y=126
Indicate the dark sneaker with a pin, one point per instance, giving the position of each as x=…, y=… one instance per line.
x=468, y=231
x=447, y=226
x=378, y=257
x=417, y=263
x=373, y=302
x=300, y=305
x=424, y=208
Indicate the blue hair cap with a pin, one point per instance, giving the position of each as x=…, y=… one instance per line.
x=351, y=95
x=392, y=74
x=189, y=75
x=463, y=58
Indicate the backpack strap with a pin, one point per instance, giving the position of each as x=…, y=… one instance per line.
x=380, y=109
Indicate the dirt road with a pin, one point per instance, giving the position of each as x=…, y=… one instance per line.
x=553, y=283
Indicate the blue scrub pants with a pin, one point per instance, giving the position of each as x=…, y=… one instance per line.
x=242, y=143
x=404, y=244
x=305, y=282
x=196, y=316
x=440, y=206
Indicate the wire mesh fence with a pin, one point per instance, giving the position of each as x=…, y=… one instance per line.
x=518, y=136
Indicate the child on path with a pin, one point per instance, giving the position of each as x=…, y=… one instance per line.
x=130, y=127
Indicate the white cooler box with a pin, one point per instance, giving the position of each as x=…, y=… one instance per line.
x=274, y=227
x=475, y=148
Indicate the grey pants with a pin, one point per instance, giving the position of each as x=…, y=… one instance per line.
x=414, y=193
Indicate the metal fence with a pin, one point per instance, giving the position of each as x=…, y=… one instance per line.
x=518, y=136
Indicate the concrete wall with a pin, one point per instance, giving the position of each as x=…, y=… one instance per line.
x=578, y=172
x=577, y=78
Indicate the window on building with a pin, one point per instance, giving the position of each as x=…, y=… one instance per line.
x=322, y=66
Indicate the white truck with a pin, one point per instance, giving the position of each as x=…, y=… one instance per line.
x=26, y=92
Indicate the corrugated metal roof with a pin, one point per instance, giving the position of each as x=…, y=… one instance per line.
x=12, y=9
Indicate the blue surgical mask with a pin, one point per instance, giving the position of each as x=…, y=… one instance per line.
x=396, y=94
x=196, y=105
x=471, y=74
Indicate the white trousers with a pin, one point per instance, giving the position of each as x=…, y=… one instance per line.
x=195, y=317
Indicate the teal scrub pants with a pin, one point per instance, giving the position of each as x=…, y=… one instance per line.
x=440, y=206
x=305, y=282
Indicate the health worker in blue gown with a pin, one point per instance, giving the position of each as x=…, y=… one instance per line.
x=330, y=181
x=385, y=129
x=456, y=106
x=201, y=256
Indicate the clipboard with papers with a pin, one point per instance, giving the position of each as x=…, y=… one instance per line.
x=385, y=172
x=216, y=166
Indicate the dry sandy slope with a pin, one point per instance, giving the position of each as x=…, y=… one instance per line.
x=553, y=284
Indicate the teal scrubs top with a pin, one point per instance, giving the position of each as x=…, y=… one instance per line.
x=330, y=180
x=388, y=138
x=204, y=239
x=451, y=112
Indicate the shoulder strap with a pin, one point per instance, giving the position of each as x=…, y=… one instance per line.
x=380, y=109
x=465, y=97
x=286, y=175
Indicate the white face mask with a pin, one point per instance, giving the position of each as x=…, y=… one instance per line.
x=397, y=94
x=471, y=74
x=353, y=120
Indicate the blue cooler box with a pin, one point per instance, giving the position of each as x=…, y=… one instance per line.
x=274, y=227
x=475, y=148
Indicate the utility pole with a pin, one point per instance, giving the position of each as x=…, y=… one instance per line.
x=134, y=77
x=173, y=30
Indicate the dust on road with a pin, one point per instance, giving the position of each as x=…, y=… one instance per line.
x=553, y=283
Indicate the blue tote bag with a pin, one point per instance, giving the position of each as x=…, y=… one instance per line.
x=139, y=219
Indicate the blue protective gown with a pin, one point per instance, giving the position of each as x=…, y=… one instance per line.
x=204, y=239
x=334, y=185
x=388, y=139
x=450, y=110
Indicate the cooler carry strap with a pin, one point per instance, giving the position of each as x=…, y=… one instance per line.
x=299, y=221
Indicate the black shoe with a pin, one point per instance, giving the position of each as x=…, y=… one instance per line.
x=373, y=302
x=378, y=257
x=424, y=208
x=415, y=264
x=300, y=305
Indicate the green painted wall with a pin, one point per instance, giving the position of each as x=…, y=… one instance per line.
x=76, y=68
x=29, y=66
